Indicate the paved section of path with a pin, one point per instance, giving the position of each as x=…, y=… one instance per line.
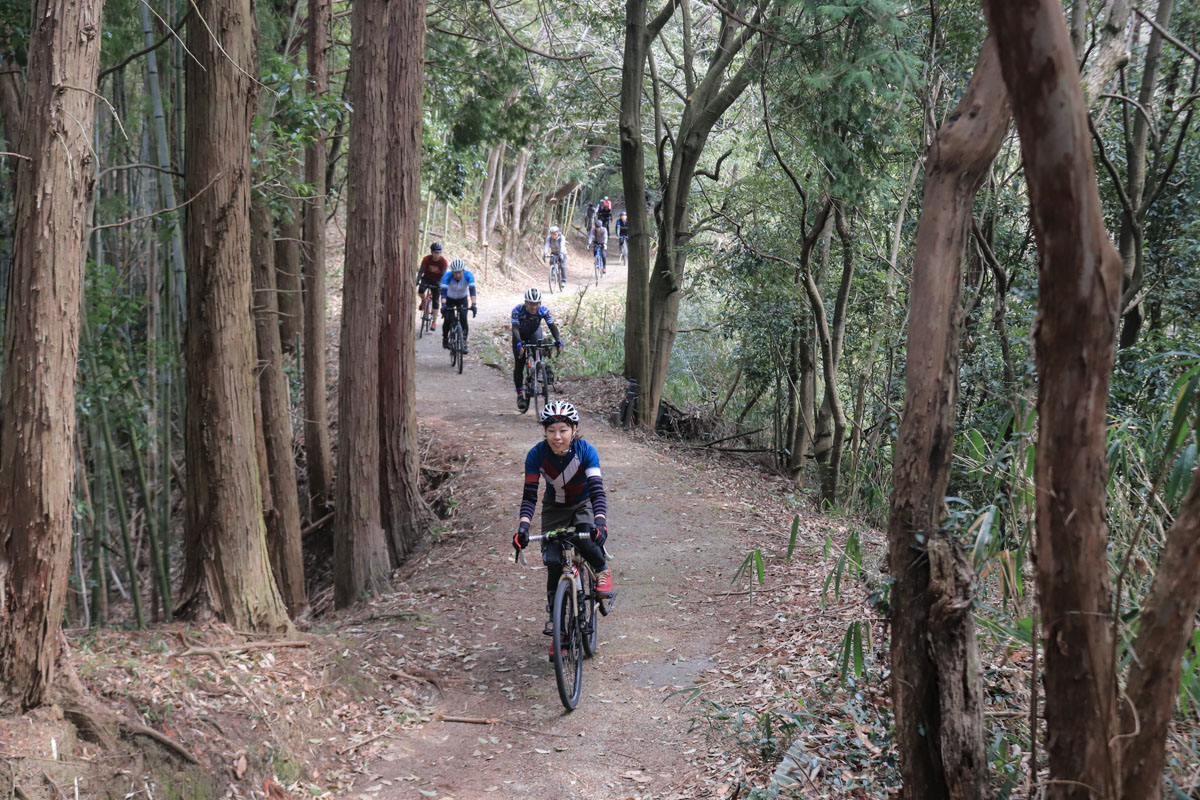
x=480, y=616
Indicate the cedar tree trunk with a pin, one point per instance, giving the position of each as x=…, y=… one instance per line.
x=403, y=508
x=360, y=550
x=54, y=179
x=317, y=451
x=283, y=524
x=227, y=569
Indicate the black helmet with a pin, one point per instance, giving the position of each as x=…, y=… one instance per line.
x=436, y=247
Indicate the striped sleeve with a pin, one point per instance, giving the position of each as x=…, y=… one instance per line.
x=599, y=499
x=532, y=477
x=590, y=462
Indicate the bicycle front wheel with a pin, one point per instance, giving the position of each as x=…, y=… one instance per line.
x=588, y=616
x=568, y=661
x=458, y=346
x=453, y=347
x=543, y=385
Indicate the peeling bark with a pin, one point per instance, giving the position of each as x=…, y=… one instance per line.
x=54, y=182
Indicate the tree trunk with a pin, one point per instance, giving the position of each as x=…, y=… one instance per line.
x=713, y=95
x=287, y=279
x=1132, y=223
x=1164, y=632
x=360, y=549
x=1079, y=282
x=938, y=701
x=633, y=181
x=227, y=569
x=404, y=510
x=162, y=151
x=37, y=391
x=317, y=450
x=485, y=195
x=283, y=529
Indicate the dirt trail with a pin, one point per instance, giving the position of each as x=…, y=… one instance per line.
x=480, y=625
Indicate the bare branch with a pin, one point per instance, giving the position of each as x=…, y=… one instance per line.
x=525, y=47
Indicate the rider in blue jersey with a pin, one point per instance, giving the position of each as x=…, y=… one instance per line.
x=458, y=286
x=527, y=321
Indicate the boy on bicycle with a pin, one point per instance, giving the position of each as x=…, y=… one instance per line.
x=527, y=329
x=574, y=496
x=429, y=279
x=457, y=284
x=556, y=244
x=598, y=242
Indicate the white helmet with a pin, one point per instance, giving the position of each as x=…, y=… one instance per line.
x=559, y=411
x=554, y=229
x=458, y=265
x=533, y=296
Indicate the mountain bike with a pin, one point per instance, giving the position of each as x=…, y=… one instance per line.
x=426, y=313
x=624, y=249
x=573, y=615
x=599, y=261
x=457, y=339
x=538, y=375
x=558, y=279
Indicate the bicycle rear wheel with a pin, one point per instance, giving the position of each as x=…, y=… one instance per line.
x=568, y=661
x=589, y=617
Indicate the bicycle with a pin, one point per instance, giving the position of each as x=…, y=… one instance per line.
x=457, y=338
x=624, y=249
x=557, y=277
x=426, y=313
x=600, y=261
x=573, y=614
x=538, y=375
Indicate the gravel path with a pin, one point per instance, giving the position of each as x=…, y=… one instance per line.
x=481, y=617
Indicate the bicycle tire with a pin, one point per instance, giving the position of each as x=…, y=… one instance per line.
x=624, y=253
x=542, y=384
x=454, y=345
x=568, y=666
x=589, y=616
x=458, y=336
x=528, y=385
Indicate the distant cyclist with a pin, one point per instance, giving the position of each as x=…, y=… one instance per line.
x=589, y=213
x=458, y=285
x=556, y=243
x=622, y=228
x=598, y=243
x=604, y=212
x=527, y=321
x=429, y=279
x=574, y=496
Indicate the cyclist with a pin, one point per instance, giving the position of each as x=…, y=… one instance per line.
x=556, y=243
x=429, y=278
x=604, y=212
x=574, y=496
x=598, y=242
x=589, y=212
x=457, y=284
x=526, y=329
x=621, y=229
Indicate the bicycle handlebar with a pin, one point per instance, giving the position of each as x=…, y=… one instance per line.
x=562, y=533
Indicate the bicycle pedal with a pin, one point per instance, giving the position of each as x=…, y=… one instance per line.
x=606, y=603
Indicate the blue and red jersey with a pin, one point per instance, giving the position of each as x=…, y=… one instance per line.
x=571, y=479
